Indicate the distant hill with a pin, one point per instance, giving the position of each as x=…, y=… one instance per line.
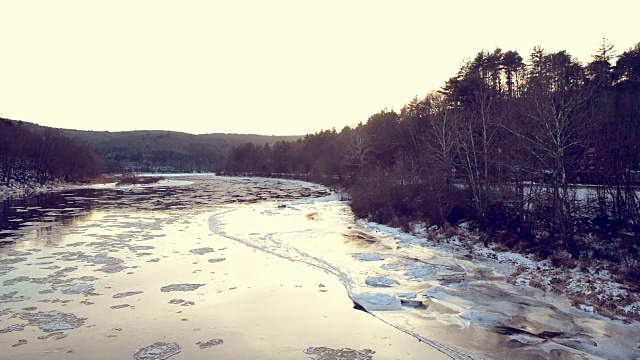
x=160, y=150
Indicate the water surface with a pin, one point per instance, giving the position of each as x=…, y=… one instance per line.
x=106, y=274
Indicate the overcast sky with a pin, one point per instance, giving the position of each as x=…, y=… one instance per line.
x=266, y=67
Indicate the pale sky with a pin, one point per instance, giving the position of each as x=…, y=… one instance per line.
x=266, y=67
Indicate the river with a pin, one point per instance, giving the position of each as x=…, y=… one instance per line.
x=209, y=267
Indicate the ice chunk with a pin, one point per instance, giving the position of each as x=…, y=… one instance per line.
x=78, y=289
x=210, y=343
x=201, y=251
x=180, y=287
x=12, y=328
x=439, y=295
x=104, y=260
x=158, y=351
x=325, y=353
x=367, y=257
x=377, y=302
x=484, y=319
x=116, y=307
x=53, y=320
x=125, y=294
x=586, y=308
x=409, y=296
x=418, y=270
x=11, y=297
x=380, y=281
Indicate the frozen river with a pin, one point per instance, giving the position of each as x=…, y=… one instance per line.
x=207, y=267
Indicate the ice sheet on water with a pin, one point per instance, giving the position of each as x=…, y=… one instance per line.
x=202, y=251
x=439, y=295
x=181, y=302
x=85, y=289
x=4, y=270
x=12, y=328
x=484, y=319
x=325, y=353
x=181, y=287
x=126, y=294
x=11, y=297
x=418, y=270
x=377, y=302
x=104, y=260
x=122, y=306
x=158, y=351
x=408, y=296
x=112, y=268
x=50, y=321
x=209, y=343
x=380, y=281
x=12, y=260
x=367, y=257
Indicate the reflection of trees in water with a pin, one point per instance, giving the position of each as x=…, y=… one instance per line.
x=46, y=233
x=41, y=215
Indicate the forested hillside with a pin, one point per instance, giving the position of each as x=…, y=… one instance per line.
x=155, y=150
x=44, y=156
x=504, y=143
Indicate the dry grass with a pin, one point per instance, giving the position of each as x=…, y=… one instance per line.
x=536, y=282
x=519, y=270
x=102, y=179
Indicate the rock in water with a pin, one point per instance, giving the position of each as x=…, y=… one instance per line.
x=157, y=351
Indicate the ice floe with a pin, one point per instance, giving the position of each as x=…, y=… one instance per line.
x=54, y=320
x=202, y=251
x=367, y=257
x=325, y=353
x=209, y=343
x=380, y=281
x=126, y=294
x=377, y=302
x=158, y=351
x=181, y=287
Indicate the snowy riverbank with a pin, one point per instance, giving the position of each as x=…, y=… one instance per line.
x=31, y=188
x=445, y=288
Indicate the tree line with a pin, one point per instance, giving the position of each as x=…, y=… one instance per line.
x=542, y=153
x=27, y=156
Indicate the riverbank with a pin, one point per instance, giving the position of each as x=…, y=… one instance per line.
x=430, y=286
x=592, y=285
x=29, y=187
x=589, y=286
